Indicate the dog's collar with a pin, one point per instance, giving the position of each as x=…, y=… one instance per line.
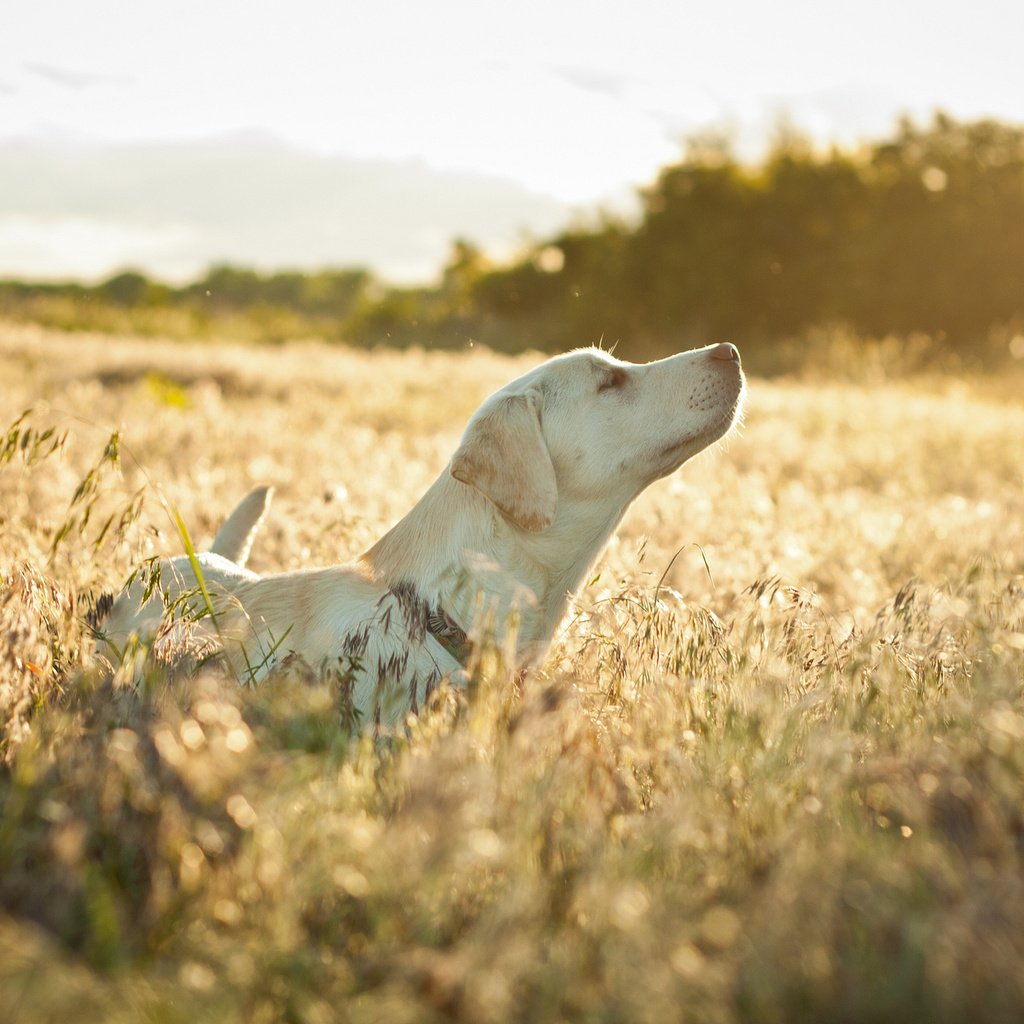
x=450, y=635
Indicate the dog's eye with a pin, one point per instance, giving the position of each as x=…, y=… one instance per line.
x=615, y=378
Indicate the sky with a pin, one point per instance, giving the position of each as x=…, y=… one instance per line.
x=328, y=132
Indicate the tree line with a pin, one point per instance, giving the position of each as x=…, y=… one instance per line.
x=921, y=233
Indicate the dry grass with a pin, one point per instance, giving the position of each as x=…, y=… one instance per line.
x=785, y=784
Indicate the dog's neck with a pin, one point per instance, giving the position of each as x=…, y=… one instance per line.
x=462, y=555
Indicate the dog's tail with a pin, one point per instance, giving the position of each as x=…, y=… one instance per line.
x=235, y=537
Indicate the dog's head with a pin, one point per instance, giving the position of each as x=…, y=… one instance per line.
x=589, y=427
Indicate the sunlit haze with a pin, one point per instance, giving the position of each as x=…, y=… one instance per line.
x=542, y=110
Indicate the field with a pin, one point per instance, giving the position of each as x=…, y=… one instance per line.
x=772, y=770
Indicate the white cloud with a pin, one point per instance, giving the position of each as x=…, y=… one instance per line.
x=54, y=247
x=173, y=208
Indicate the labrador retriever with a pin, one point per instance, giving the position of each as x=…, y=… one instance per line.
x=502, y=540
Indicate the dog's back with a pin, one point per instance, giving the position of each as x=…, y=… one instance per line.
x=140, y=608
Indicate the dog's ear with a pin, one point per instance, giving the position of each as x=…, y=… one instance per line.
x=503, y=455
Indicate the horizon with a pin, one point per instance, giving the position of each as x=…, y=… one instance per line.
x=375, y=141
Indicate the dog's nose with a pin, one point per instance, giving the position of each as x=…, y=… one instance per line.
x=727, y=352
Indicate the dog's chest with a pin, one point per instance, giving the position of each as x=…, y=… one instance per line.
x=379, y=654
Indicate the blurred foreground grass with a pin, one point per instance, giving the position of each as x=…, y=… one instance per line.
x=773, y=770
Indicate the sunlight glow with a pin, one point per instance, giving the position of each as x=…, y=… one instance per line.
x=571, y=99
x=576, y=102
x=62, y=246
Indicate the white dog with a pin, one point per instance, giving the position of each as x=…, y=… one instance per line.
x=141, y=607
x=543, y=474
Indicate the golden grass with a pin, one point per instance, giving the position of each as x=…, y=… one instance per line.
x=785, y=784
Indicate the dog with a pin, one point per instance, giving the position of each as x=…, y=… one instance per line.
x=502, y=540
x=544, y=472
x=140, y=609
